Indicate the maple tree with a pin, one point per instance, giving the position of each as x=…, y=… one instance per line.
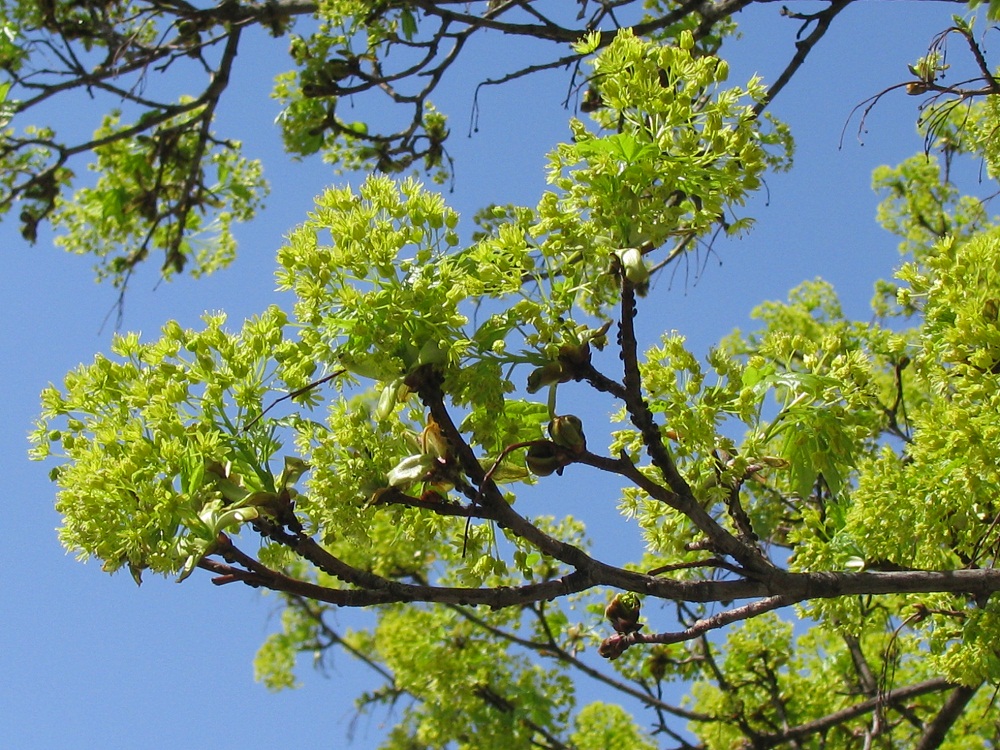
x=425, y=380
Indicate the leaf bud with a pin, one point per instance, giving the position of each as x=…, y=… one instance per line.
x=567, y=431
x=721, y=70
x=295, y=467
x=393, y=393
x=599, y=337
x=431, y=353
x=775, y=462
x=339, y=68
x=591, y=101
x=573, y=356
x=623, y=612
x=269, y=504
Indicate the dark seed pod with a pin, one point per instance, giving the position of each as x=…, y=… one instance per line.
x=543, y=459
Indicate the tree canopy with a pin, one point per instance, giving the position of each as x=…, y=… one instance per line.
x=389, y=439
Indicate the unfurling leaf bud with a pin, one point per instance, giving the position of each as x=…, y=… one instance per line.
x=268, y=503
x=567, y=431
x=431, y=353
x=775, y=462
x=433, y=442
x=411, y=469
x=392, y=394
x=612, y=647
x=548, y=374
x=599, y=336
x=591, y=101
x=634, y=268
x=623, y=613
x=574, y=356
x=543, y=459
x=294, y=469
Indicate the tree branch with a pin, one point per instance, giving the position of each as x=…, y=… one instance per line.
x=935, y=731
x=761, y=742
x=803, y=47
x=551, y=648
x=683, y=499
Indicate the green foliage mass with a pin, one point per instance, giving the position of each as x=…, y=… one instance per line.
x=154, y=192
x=165, y=181
x=383, y=288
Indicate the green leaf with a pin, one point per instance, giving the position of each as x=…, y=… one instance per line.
x=409, y=24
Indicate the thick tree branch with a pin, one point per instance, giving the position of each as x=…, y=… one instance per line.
x=781, y=590
x=374, y=589
x=683, y=499
x=427, y=383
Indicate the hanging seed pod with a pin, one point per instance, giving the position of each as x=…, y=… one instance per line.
x=543, y=459
x=657, y=663
x=591, y=101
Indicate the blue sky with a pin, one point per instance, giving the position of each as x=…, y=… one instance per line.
x=91, y=661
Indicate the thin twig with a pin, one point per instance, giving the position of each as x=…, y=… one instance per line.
x=294, y=394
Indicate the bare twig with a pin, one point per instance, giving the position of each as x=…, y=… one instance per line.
x=803, y=47
x=297, y=392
